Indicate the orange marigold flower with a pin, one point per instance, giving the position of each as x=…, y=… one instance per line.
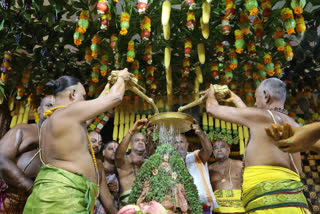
x=77, y=42
x=280, y=48
x=130, y=59
x=124, y=19
x=233, y=66
x=123, y=31
x=96, y=40
x=130, y=47
x=298, y=10
x=254, y=12
x=82, y=30
x=290, y=31
x=83, y=16
x=95, y=69
x=267, y=60
x=270, y=73
x=95, y=80
x=103, y=73
x=245, y=31
x=239, y=50
x=278, y=35
x=94, y=54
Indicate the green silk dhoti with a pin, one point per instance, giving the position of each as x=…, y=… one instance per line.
x=59, y=191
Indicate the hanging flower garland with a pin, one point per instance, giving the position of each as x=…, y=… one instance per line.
x=251, y=46
x=230, y=9
x=103, y=8
x=131, y=53
x=252, y=7
x=288, y=52
x=233, y=59
x=288, y=20
x=100, y=121
x=228, y=76
x=277, y=69
x=219, y=51
x=269, y=66
x=259, y=31
x=239, y=43
x=95, y=73
x=262, y=74
x=248, y=70
x=225, y=29
x=82, y=26
x=104, y=65
x=300, y=25
x=190, y=4
x=244, y=23
x=266, y=9
x=142, y=6
x=5, y=66
x=145, y=27
x=278, y=37
x=114, y=43
x=297, y=6
x=96, y=40
x=92, y=89
x=191, y=21
x=187, y=47
x=88, y=55
x=124, y=23
x=214, y=70
x=148, y=54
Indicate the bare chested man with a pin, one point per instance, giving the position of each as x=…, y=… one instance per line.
x=105, y=203
x=67, y=183
x=267, y=168
x=226, y=179
x=109, y=155
x=128, y=166
x=19, y=162
x=197, y=165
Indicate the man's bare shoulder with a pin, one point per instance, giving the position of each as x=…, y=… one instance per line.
x=212, y=166
x=20, y=127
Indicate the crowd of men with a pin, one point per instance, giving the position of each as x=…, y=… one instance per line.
x=50, y=167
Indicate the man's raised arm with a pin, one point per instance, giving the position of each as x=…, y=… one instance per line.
x=206, y=145
x=9, y=171
x=120, y=157
x=101, y=104
x=244, y=116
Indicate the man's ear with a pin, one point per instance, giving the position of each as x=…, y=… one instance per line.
x=39, y=109
x=266, y=96
x=72, y=94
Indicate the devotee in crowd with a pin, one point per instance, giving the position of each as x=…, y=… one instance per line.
x=299, y=139
x=196, y=163
x=109, y=152
x=265, y=164
x=128, y=165
x=226, y=179
x=67, y=183
x=19, y=161
x=104, y=203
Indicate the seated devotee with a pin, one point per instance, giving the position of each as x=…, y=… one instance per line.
x=104, y=203
x=109, y=152
x=67, y=183
x=19, y=161
x=268, y=170
x=196, y=163
x=129, y=165
x=299, y=139
x=226, y=179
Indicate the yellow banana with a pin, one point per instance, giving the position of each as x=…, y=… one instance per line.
x=206, y=9
x=166, y=31
x=13, y=121
x=21, y=112
x=166, y=10
x=204, y=29
x=204, y=119
x=26, y=115
x=199, y=74
x=167, y=57
x=201, y=53
x=169, y=80
x=11, y=103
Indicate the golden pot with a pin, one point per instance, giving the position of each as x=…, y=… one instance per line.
x=177, y=120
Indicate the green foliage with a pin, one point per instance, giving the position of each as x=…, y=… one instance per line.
x=162, y=182
x=223, y=136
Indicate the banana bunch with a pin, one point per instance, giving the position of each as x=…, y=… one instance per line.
x=204, y=29
x=167, y=57
x=165, y=18
x=169, y=80
x=201, y=53
x=206, y=9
